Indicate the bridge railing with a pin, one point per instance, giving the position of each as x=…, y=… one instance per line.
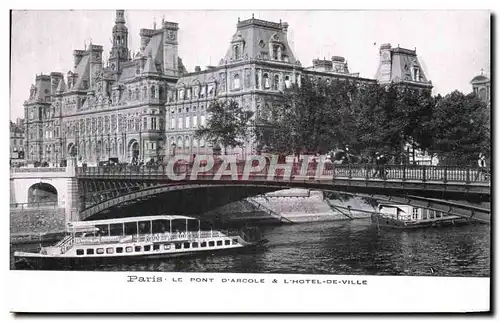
x=367, y=172
x=39, y=169
x=37, y=205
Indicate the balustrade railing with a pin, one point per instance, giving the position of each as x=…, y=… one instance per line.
x=296, y=170
x=37, y=205
x=175, y=236
x=39, y=169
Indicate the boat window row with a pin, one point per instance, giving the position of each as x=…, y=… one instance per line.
x=152, y=227
x=155, y=247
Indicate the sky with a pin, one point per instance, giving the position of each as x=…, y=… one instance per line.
x=453, y=46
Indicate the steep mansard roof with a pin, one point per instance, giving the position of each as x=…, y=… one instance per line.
x=256, y=35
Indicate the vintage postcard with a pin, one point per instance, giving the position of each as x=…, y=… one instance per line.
x=250, y=161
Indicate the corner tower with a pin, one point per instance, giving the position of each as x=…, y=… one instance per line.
x=170, y=48
x=119, y=51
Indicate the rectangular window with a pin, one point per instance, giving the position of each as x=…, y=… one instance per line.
x=211, y=244
x=116, y=229
x=203, y=120
x=203, y=244
x=90, y=251
x=195, y=121
x=129, y=249
x=110, y=250
x=119, y=250
x=187, y=122
x=137, y=248
x=186, y=245
x=227, y=242
x=147, y=248
x=181, y=125
x=219, y=243
x=100, y=250
x=195, y=245
x=145, y=123
x=172, y=123
x=153, y=123
x=156, y=247
x=178, y=246
x=79, y=252
x=166, y=246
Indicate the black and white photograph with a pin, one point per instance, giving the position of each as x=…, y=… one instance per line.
x=300, y=149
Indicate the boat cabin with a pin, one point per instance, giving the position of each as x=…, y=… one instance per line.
x=407, y=212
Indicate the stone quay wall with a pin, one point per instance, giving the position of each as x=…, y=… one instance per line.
x=26, y=225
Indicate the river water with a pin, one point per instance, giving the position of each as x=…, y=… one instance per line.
x=346, y=247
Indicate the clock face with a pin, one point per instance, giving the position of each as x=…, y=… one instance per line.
x=171, y=35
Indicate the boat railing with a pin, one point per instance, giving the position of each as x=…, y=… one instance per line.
x=160, y=237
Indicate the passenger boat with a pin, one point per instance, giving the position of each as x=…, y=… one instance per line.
x=407, y=217
x=135, y=238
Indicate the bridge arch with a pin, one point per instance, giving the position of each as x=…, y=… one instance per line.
x=462, y=210
x=42, y=192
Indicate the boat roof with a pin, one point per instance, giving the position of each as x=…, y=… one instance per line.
x=90, y=223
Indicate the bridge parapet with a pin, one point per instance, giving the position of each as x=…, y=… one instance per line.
x=296, y=171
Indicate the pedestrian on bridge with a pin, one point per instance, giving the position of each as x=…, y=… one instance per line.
x=481, y=161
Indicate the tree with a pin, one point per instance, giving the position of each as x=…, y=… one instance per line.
x=308, y=120
x=460, y=128
x=227, y=126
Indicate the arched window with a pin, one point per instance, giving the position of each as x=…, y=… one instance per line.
x=137, y=94
x=265, y=78
x=236, y=82
x=187, y=142
x=287, y=81
x=129, y=94
x=145, y=92
x=153, y=91
x=276, y=82
x=181, y=94
x=180, y=143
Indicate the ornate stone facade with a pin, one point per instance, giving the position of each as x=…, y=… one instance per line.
x=148, y=106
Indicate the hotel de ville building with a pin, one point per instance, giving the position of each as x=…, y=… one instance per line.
x=148, y=106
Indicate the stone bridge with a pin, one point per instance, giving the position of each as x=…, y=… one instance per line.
x=435, y=187
x=91, y=192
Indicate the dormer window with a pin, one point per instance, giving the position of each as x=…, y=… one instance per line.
x=236, y=82
x=416, y=74
x=275, y=51
x=236, y=52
